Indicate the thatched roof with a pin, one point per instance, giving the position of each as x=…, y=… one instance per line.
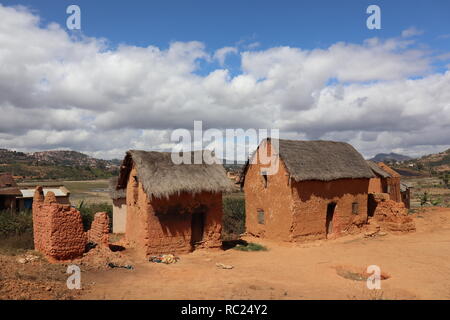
x=377, y=170
x=161, y=177
x=113, y=192
x=320, y=160
x=404, y=186
x=8, y=186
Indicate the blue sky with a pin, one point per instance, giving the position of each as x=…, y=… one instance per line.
x=307, y=24
x=264, y=24
x=311, y=69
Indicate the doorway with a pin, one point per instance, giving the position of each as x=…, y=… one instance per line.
x=329, y=221
x=197, y=227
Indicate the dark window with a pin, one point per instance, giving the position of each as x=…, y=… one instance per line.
x=260, y=216
x=355, y=207
x=264, y=175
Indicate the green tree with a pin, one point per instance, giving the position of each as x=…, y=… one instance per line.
x=445, y=179
x=423, y=198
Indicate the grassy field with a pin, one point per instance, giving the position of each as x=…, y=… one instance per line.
x=89, y=191
x=438, y=194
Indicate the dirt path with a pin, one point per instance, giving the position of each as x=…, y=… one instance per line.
x=417, y=263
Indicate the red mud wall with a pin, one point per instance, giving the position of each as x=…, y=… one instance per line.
x=170, y=222
x=311, y=199
x=275, y=201
x=58, y=229
x=165, y=225
x=99, y=232
x=376, y=185
x=393, y=183
x=297, y=211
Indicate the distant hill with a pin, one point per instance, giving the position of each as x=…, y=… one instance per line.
x=387, y=157
x=438, y=161
x=59, y=164
x=431, y=164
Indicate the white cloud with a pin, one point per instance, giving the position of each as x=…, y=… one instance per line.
x=411, y=32
x=380, y=95
x=221, y=54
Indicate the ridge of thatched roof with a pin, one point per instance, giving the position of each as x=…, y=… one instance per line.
x=113, y=192
x=8, y=185
x=161, y=177
x=404, y=186
x=320, y=160
x=377, y=169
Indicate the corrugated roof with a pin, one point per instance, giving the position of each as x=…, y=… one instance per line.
x=59, y=192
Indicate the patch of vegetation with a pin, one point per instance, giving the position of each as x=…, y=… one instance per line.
x=424, y=198
x=250, y=247
x=88, y=211
x=16, y=232
x=233, y=217
x=15, y=223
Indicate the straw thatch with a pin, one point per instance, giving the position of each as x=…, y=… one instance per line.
x=8, y=186
x=161, y=177
x=113, y=192
x=377, y=170
x=319, y=160
x=404, y=186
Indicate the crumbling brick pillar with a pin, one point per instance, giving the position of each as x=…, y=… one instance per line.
x=391, y=215
x=99, y=232
x=58, y=229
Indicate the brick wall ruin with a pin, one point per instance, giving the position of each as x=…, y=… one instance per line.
x=58, y=228
x=390, y=215
x=99, y=232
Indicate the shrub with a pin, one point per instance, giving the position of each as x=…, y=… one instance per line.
x=250, y=247
x=15, y=223
x=16, y=231
x=233, y=217
x=423, y=198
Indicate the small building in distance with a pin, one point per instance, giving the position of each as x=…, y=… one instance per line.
x=118, y=197
x=319, y=190
x=25, y=200
x=8, y=192
x=171, y=208
x=386, y=180
x=405, y=191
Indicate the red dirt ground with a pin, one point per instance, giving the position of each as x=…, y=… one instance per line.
x=416, y=265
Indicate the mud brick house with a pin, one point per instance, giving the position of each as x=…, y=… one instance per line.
x=171, y=208
x=8, y=192
x=119, y=206
x=319, y=190
x=405, y=191
x=386, y=180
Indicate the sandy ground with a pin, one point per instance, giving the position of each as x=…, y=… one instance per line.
x=417, y=265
